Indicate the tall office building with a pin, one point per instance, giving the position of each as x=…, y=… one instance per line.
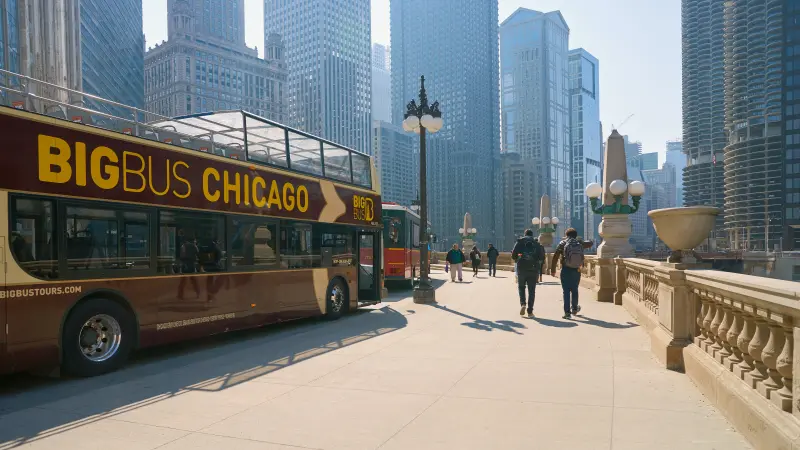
x=633, y=150
x=202, y=68
x=661, y=185
x=381, y=84
x=112, y=52
x=639, y=225
x=454, y=44
x=516, y=181
x=703, y=69
x=42, y=39
x=396, y=161
x=329, y=60
x=754, y=121
x=790, y=233
x=587, y=142
x=648, y=161
x=677, y=158
x=536, y=92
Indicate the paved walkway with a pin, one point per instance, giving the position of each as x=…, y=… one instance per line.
x=468, y=373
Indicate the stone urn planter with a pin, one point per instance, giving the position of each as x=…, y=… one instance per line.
x=683, y=229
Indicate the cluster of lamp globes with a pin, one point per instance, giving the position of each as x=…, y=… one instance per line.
x=617, y=188
x=468, y=231
x=431, y=124
x=545, y=221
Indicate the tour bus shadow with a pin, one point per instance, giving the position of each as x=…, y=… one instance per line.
x=45, y=408
x=398, y=291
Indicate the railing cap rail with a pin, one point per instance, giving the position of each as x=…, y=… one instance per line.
x=765, y=292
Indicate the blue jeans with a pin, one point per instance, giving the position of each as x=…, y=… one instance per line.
x=492, y=267
x=570, y=280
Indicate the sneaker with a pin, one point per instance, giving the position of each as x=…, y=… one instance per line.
x=522, y=311
x=531, y=316
x=567, y=316
x=576, y=310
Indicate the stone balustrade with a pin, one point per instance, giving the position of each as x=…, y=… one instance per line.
x=732, y=334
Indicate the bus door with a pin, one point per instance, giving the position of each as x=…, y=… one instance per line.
x=369, y=266
x=3, y=315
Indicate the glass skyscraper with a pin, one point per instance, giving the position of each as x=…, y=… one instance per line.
x=587, y=144
x=454, y=44
x=112, y=50
x=328, y=55
x=535, y=83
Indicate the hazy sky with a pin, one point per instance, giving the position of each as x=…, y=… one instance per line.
x=638, y=43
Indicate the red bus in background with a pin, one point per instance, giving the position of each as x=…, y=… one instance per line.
x=400, y=243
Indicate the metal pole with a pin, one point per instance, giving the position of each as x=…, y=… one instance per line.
x=423, y=211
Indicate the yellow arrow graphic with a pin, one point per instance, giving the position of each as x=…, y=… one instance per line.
x=334, y=206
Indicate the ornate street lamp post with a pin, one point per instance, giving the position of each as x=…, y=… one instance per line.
x=544, y=223
x=423, y=119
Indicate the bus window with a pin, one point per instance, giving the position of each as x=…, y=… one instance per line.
x=338, y=242
x=100, y=239
x=415, y=235
x=191, y=243
x=32, y=240
x=296, y=247
x=253, y=243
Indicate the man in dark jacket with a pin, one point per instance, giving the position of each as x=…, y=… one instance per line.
x=573, y=248
x=528, y=254
x=492, y=255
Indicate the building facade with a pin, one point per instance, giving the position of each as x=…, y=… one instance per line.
x=703, y=96
x=536, y=98
x=633, y=150
x=396, y=161
x=648, y=161
x=328, y=54
x=192, y=72
x=112, y=52
x=754, y=122
x=42, y=39
x=640, y=236
x=516, y=181
x=459, y=61
x=586, y=135
x=790, y=233
x=677, y=158
x=660, y=193
x=381, y=84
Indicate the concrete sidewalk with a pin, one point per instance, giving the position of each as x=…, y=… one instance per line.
x=468, y=373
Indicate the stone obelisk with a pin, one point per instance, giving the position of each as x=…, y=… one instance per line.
x=545, y=238
x=467, y=243
x=615, y=229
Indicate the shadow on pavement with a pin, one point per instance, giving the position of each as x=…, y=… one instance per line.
x=484, y=325
x=603, y=323
x=401, y=291
x=51, y=407
x=554, y=323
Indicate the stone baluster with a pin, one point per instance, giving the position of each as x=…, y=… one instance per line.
x=743, y=342
x=733, y=336
x=707, y=321
x=703, y=333
x=784, y=366
x=769, y=355
x=722, y=335
x=755, y=349
x=719, y=313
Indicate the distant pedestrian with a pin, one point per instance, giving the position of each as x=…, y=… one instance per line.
x=455, y=257
x=570, y=250
x=492, y=255
x=528, y=254
x=475, y=257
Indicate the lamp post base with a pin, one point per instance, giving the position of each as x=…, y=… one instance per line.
x=424, y=293
x=615, y=230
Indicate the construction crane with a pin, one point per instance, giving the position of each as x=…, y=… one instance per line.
x=623, y=123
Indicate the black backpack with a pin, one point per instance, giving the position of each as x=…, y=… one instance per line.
x=531, y=256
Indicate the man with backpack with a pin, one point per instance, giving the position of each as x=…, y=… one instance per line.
x=570, y=250
x=528, y=254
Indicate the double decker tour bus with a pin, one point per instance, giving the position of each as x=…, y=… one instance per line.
x=400, y=243
x=121, y=231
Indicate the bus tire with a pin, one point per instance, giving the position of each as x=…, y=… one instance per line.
x=98, y=337
x=337, y=299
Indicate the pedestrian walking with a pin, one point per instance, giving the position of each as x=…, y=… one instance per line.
x=455, y=258
x=528, y=254
x=491, y=255
x=570, y=251
x=475, y=257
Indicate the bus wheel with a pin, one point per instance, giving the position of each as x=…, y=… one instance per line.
x=98, y=337
x=338, y=300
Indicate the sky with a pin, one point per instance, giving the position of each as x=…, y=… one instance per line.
x=638, y=43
